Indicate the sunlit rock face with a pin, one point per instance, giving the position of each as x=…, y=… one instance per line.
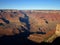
x=58, y=30
x=36, y=25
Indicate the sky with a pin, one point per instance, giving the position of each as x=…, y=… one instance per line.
x=30, y=4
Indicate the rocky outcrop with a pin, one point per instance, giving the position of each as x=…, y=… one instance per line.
x=57, y=30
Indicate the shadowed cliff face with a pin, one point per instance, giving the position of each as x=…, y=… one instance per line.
x=6, y=21
x=25, y=20
x=36, y=26
x=1, y=24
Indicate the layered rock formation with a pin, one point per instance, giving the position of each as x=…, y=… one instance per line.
x=39, y=24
